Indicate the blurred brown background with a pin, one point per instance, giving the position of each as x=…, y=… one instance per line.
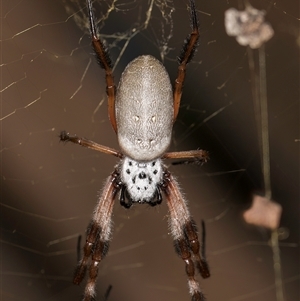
x=51, y=82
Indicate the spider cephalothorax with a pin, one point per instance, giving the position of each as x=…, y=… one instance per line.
x=141, y=181
x=142, y=112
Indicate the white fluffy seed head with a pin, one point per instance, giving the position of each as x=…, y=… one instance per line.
x=144, y=109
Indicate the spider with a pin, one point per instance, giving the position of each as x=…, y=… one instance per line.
x=142, y=111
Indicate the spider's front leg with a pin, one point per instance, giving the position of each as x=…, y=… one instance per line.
x=98, y=237
x=184, y=232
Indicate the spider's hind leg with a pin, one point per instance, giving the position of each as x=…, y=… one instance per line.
x=187, y=53
x=106, y=64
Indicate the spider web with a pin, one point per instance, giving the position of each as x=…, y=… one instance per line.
x=50, y=82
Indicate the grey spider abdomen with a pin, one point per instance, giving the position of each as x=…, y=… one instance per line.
x=144, y=109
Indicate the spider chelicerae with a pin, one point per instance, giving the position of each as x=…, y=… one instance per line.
x=142, y=111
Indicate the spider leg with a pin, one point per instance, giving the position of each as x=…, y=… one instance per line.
x=105, y=63
x=184, y=233
x=98, y=237
x=199, y=155
x=203, y=255
x=186, y=55
x=66, y=137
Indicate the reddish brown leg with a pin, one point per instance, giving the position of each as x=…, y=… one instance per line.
x=186, y=55
x=184, y=233
x=105, y=63
x=199, y=153
x=98, y=237
x=66, y=137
